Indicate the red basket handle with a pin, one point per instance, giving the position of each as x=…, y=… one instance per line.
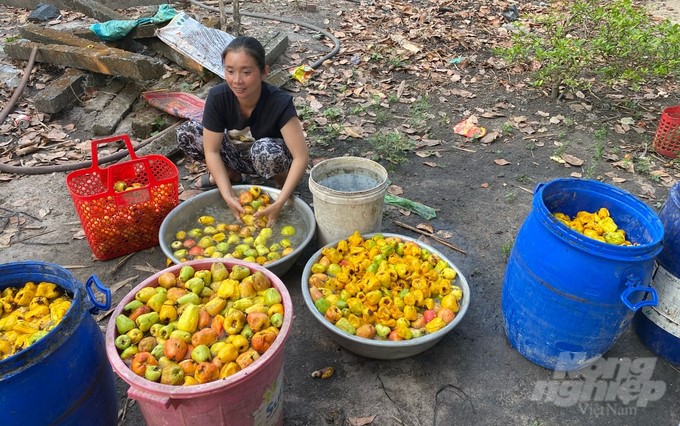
x=110, y=139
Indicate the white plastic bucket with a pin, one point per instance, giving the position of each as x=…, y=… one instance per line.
x=348, y=195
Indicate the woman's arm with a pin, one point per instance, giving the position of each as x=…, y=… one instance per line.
x=212, y=144
x=295, y=141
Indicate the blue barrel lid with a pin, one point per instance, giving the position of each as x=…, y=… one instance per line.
x=571, y=195
x=16, y=274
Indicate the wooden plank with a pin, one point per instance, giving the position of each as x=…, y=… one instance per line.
x=108, y=61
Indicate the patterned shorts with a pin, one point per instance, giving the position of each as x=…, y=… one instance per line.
x=267, y=157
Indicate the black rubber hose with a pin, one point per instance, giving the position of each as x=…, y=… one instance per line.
x=315, y=65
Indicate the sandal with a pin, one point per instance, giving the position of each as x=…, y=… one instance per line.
x=203, y=183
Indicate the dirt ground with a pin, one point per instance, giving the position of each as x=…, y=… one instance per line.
x=482, y=192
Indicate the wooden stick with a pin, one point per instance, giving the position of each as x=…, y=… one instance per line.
x=464, y=149
x=544, y=135
x=428, y=234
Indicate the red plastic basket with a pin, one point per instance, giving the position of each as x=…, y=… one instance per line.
x=667, y=138
x=118, y=223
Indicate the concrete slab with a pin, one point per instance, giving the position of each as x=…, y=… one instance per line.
x=93, y=9
x=278, y=78
x=109, y=61
x=146, y=119
x=103, y=97
x=108, y=119
x=61, y=92
x=275, y=47
x=47, y=35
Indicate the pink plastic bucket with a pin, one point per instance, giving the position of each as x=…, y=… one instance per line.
x=253, y=396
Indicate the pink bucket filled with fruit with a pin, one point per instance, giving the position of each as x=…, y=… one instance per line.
x=202, y=343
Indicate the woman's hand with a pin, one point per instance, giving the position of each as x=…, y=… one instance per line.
x=271, y=212
x=234, y=205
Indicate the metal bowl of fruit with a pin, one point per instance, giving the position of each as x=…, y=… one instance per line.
x=379, y=308
x=204, y=227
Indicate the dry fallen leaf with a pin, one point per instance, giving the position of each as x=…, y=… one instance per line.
x=79, y=235
x=625, y=165
x=430, y=164
x=445, y=234
x=428, y=143
x=360, y=421
x=647, y=191
x=570, y=159
x=659, y=173
x=425, y=154
x=395, y=190
x=501, y=162
x=490, y=137
x=463, y=93
x=492, y=114
x=353, y=132
x=425, y=227
x=557, y=159
x=576, y=175
x=5, y=238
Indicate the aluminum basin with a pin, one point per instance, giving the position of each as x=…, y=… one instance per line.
x=188, y=211
x=385, y=349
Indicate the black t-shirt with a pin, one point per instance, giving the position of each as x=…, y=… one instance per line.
x=273, y=110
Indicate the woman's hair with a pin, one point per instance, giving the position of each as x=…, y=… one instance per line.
x=251, y=46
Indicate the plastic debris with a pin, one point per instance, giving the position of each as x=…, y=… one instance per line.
x=9, y=76
x=118, y=28
x=421, y=210
x=511, y=13
x=43, y=13
x=302, y=73
x=469, y=128
x=179, y=104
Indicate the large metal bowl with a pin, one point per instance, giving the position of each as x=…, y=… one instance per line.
x=385, y=349
x=188, y=211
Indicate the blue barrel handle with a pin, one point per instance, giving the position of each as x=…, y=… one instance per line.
x=538, y=187
x=632, y=287
x=98, y=306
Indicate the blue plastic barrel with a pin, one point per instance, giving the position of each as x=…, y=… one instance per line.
x=65, y=377
x=566, y=297
x=658, y=327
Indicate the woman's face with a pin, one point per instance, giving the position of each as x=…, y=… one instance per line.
x=242, y=74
